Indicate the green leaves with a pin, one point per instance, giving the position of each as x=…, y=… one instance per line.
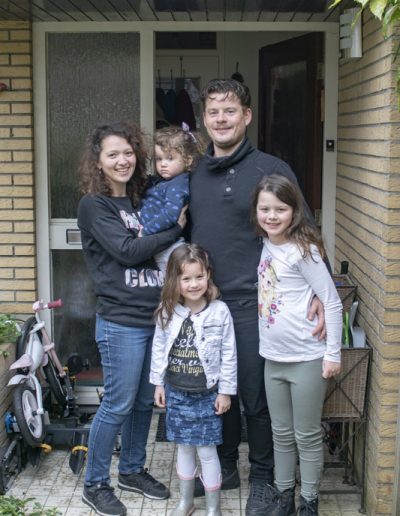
x=377, y=7
x=391, y=15
x=388, y=13
x=9, y=329
x=11, y=506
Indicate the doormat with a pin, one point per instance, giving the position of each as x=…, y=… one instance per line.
x=161, y=434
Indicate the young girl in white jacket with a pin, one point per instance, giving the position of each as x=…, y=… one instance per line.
x=193, y=366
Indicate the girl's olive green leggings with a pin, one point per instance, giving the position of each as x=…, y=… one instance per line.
x=295, y=394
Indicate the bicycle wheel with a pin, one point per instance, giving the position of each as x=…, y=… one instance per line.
x=23, y=339
x=31, y=425
x=56, y=384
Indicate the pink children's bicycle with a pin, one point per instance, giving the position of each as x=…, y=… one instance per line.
x=37, y=364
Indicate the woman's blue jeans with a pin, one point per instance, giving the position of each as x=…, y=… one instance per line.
x=127, y=403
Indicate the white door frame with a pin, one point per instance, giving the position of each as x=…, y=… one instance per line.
x=147, y=105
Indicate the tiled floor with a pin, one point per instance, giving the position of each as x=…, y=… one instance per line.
x=53, y=484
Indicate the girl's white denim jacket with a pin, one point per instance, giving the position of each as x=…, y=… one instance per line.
x=215, y=343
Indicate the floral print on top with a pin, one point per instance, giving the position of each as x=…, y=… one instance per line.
x=269, y=302
x=287, y=283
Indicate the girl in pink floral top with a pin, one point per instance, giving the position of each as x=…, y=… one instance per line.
x=291, y=272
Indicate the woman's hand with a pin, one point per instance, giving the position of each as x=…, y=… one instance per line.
x=317, y=309
x=182, y=219
x=222, y=404
x=330, y=369
x=159, y=396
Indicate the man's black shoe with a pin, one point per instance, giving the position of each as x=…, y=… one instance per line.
x=262, y=498
x=102, y=500
x=230, y=480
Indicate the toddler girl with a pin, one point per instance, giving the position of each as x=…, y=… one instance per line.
x=290, y=273
x=193, y=366
x=177, y=151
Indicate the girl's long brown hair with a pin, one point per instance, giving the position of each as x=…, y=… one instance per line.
x=93, y=182
x=301, y=231
x=170, y=294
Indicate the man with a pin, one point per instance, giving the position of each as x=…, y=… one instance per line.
x=221, y=189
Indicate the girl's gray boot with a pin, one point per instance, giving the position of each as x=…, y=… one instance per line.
x=185, y=506
x=213, y=502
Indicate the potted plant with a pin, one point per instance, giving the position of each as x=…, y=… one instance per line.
x=9, y=331
x=12, y=506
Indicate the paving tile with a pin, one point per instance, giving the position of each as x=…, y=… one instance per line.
x=62, y=500
x=131, y=500
x=76, y=501
x=53, y=483
x=37, y=499
x=79, y=512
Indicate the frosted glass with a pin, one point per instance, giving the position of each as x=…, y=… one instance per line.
x=92, y=78
x=74, y=323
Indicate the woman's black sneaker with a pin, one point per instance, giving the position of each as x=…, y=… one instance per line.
x=101, y=498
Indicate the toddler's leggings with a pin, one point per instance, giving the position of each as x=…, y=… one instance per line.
x=295, y=394
x=210, y=466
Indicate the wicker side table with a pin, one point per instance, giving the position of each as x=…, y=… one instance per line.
x=344, y=413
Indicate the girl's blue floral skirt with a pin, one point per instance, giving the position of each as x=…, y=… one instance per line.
x=191, y=418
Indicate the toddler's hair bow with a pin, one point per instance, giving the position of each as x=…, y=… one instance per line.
x=186, y=128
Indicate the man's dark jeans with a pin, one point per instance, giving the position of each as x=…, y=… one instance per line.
x=252, y=393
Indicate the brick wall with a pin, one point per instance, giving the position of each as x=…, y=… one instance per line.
x=368, y=236
x=17, y=233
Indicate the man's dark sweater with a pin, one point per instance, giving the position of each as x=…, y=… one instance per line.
x=221, y=191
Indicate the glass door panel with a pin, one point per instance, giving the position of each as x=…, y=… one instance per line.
x=92, y=78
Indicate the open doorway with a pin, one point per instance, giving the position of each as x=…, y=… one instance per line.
x=290, y=123
x=259, y=57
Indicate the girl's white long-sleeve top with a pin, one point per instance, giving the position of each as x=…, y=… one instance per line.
x=214, y=340
x=287, y=283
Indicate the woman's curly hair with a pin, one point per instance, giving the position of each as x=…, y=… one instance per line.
x=92, y=181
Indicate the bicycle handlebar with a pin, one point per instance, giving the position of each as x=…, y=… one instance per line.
x=41, y=305
x=55, y=304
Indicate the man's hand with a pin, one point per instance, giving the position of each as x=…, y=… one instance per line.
x=317, y=309
x=159, y=396
x=330, y=369
x=182, y=219
x=222, y=404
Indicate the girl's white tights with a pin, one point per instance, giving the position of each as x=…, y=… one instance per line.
x=210, y=466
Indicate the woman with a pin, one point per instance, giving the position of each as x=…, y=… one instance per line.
x=127, y=286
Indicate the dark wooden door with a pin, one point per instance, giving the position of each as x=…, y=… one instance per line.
x=290, y=122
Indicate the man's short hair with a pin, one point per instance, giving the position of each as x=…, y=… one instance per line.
x=229, y=87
